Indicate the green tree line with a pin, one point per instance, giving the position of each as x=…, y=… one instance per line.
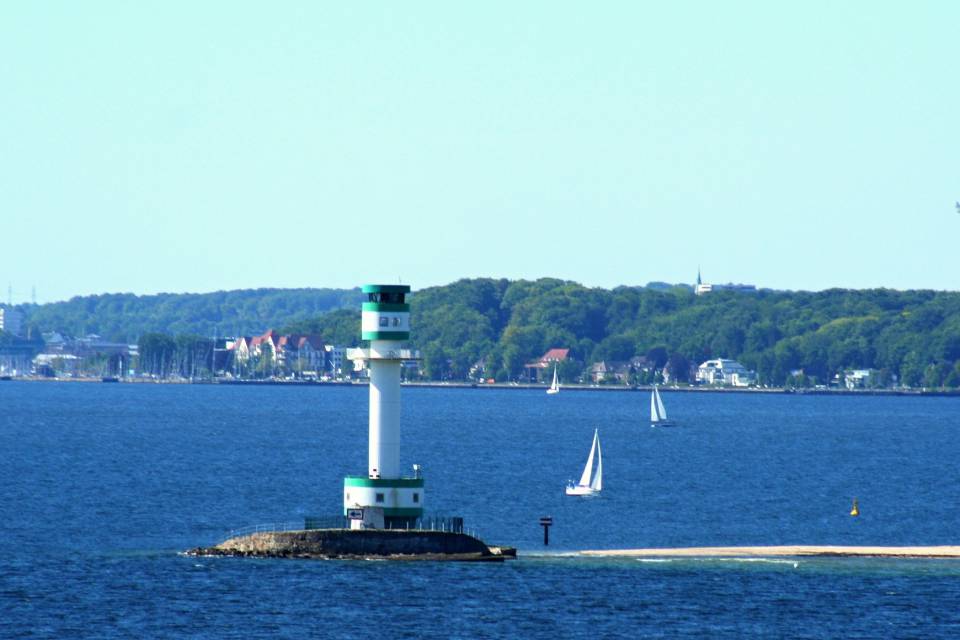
x=911, y=335
x=124, y=317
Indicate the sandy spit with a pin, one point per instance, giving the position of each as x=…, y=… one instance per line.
x=946, y=551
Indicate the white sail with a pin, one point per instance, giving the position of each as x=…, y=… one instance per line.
x=661, y=411
x=597, y=483
x=588, y=470
x=590, y=486
x=555, y=385
x=658, y=413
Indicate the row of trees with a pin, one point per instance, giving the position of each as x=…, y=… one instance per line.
x=909, y=336
x=123, y=317
x=787, y=337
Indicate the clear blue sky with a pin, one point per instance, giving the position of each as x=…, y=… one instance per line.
x=197, y=146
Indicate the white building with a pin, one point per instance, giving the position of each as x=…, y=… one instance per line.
x=294, y=352
x=856, y=379
x=727, y=372
x=65, y=364
x=335, y=358
x=11, y=320
x=700, y=288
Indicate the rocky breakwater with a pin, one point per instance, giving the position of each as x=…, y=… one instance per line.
x=359, y=544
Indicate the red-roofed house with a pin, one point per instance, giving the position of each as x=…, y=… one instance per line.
x=302, y=353
x=293, y=352
x=534, y=370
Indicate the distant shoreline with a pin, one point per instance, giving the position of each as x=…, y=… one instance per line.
x=522, y=387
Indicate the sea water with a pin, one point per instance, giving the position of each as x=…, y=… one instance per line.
x=102, y=485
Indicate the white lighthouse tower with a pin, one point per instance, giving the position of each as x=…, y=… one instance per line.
x=383, y=498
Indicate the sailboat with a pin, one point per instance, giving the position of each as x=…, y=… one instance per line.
x=590, y=482
x=555, y=385
x=658, y=414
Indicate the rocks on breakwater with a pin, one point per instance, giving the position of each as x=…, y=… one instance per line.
x=359, y=543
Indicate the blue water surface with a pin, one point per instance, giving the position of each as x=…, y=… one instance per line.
x=102, y=485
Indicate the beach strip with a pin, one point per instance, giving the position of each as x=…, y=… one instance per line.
x=944, y=551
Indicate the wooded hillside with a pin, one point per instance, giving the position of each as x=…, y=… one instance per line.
x=914, y=335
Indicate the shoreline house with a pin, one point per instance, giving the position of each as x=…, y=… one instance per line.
x=609, y=370
x=619, y=371
x=90, y=355
x=335, y=358
x=534, y=371
x=293, y=352
x=722, y=371
x=301, y=352
x=857, y=379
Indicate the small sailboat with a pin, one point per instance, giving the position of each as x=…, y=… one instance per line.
x=590, y=483
x=555, y=385
x=856, y=509
x=658, y=414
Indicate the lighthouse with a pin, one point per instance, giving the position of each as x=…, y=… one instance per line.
x=384, y=498
x=385, y=508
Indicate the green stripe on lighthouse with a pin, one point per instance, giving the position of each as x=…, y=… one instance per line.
x=362, y=481
x=385, y=335
x=386, y=306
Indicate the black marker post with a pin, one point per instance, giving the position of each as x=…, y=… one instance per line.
x=545, y=522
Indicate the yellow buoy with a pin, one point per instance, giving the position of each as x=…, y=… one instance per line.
x=856, y=509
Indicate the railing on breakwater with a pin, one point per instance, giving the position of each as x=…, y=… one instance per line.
x=326, y=522
x=263, y=528
x=449, y=524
